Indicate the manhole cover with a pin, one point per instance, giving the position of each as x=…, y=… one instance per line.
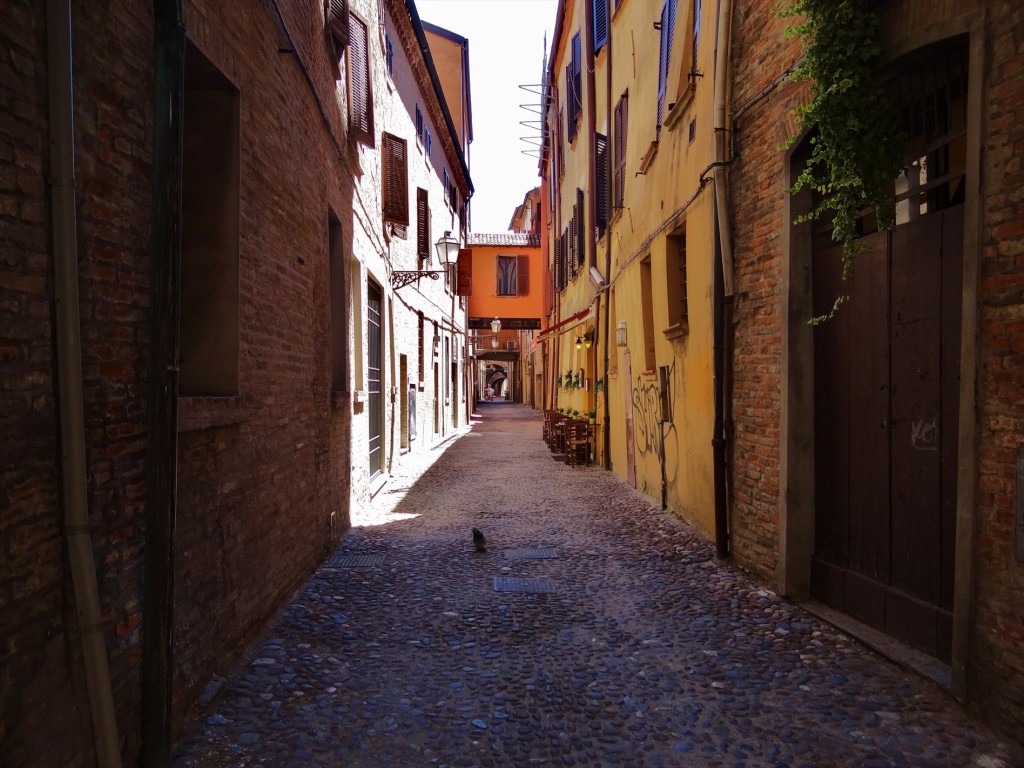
x=517, y=584
x=538, y=553
x=354, y=561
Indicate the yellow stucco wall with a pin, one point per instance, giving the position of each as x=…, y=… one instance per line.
x=663, y=196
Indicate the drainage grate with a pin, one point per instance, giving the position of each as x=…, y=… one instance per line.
x=538, y=553
x=354, y=561
x=517, y=584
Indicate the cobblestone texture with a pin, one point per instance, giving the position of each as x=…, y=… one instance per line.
x=649, y=652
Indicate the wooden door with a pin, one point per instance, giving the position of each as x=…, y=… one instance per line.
x=886, y=413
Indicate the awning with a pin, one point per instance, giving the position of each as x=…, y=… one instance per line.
x=559, y=328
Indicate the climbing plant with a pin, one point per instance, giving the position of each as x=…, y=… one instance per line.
x=856, y=149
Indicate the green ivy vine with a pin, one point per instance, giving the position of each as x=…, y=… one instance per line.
x=856, y=149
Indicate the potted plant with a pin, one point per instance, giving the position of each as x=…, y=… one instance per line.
x=592, y=417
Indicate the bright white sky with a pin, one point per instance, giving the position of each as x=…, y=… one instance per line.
x=506, y=50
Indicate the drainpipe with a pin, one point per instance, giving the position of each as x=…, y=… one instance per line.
x=722, y=287
x=606, y=462
x=162, y=395
x=69, y=384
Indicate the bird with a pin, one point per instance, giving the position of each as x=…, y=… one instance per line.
x=479, y=540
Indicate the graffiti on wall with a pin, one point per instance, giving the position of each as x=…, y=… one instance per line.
x=654, y=437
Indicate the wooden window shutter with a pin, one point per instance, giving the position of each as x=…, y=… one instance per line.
x=396, y=191
x=464, y=276
x=570, y=107
x=668, y=22
x=574, y=240
x=522, y=275
x=600, y=24
x=336, y=21
x=360, y=97
x=581, y=231
x=577, y=72
x=601, y=172
x=422, y=224
x=619, y=148
x=560, y=263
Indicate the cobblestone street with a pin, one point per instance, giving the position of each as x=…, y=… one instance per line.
x=401, y=651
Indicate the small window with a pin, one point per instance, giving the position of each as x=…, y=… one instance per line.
x=675, y=282
x=395, y=175
x=574, y=88
x=513, y=275
x=389, y=55
x=646, y=294
x=419, y=122
x=426, y=142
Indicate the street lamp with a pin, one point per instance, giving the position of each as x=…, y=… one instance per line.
x=447, y=253
x=620, y=334
x=495, y=325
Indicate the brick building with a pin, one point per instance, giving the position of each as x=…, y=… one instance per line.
x=289, y=239
x=876, y=456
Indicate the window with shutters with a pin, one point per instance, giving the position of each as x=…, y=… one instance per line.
x=619, y=151
x=601, y=174
x=600, y=16
x=573, y=243
x=574, y=88
x=395, y=174
x=668, y=23
x=422, y=225
x=419, y=123
x=581, y=232
x=426, y=143
x=360, y=96
x=513, y=275
x=557, y=275
x=421, y=354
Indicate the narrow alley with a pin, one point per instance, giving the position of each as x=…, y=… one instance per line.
x=596, y=630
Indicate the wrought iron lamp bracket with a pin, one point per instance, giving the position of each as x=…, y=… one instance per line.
x=400, y=279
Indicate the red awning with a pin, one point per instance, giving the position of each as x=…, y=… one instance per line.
x=558, y=328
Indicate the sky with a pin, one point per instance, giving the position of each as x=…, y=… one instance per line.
x=506, y=50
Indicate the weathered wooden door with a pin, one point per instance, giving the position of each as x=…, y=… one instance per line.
x=886, y=420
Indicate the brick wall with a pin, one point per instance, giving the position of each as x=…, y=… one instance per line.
x=995, y=683
x=259, y=474
x=996, y=675
x=42, y=720
x=761, y=54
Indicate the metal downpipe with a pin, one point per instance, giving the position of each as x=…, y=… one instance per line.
x=69, y=383
x=722, y=287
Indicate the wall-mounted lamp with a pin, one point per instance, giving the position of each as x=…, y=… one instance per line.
x=579, y=342
x=495, y=325
x=620, y=334
x=586, y=340
x=447, y=253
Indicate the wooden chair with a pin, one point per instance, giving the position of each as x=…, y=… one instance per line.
x=577, y=443
x=557, y=444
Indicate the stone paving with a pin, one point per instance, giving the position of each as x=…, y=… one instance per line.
x=399, y=651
